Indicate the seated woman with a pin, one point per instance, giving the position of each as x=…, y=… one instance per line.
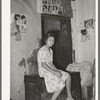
x=55, y=79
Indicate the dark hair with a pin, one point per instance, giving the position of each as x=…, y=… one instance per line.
x=50, y=34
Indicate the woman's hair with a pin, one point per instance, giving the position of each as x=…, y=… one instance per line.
x=50, y=34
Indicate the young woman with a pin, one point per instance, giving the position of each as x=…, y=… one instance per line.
x=55, y=79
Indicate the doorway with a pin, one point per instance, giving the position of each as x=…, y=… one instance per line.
x=62, y=49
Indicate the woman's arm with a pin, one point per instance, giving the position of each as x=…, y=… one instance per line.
x=53, y=71
x=53, y=66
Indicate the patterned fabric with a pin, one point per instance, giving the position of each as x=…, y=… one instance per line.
x=53, y=83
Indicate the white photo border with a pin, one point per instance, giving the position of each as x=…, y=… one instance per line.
x=6, y=7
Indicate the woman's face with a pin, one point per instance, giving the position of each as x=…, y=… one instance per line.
x=50, y=41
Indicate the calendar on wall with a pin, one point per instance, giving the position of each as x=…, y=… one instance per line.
x=50, y=7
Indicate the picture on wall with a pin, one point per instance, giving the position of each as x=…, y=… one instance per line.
x=85, y=36
x=89, y=23
x=18, y=25
x=50, y=7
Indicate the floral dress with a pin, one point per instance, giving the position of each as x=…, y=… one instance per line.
x=53, y=83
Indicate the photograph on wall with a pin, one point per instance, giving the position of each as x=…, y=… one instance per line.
x=18, y=25
x=89, y=23
x=50, y=7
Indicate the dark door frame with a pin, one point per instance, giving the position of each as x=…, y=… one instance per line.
x=60, y=17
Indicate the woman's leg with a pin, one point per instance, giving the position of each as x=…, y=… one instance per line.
x=56, y=94
x=68, y=87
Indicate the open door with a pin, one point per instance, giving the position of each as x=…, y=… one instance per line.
x=62, y=49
